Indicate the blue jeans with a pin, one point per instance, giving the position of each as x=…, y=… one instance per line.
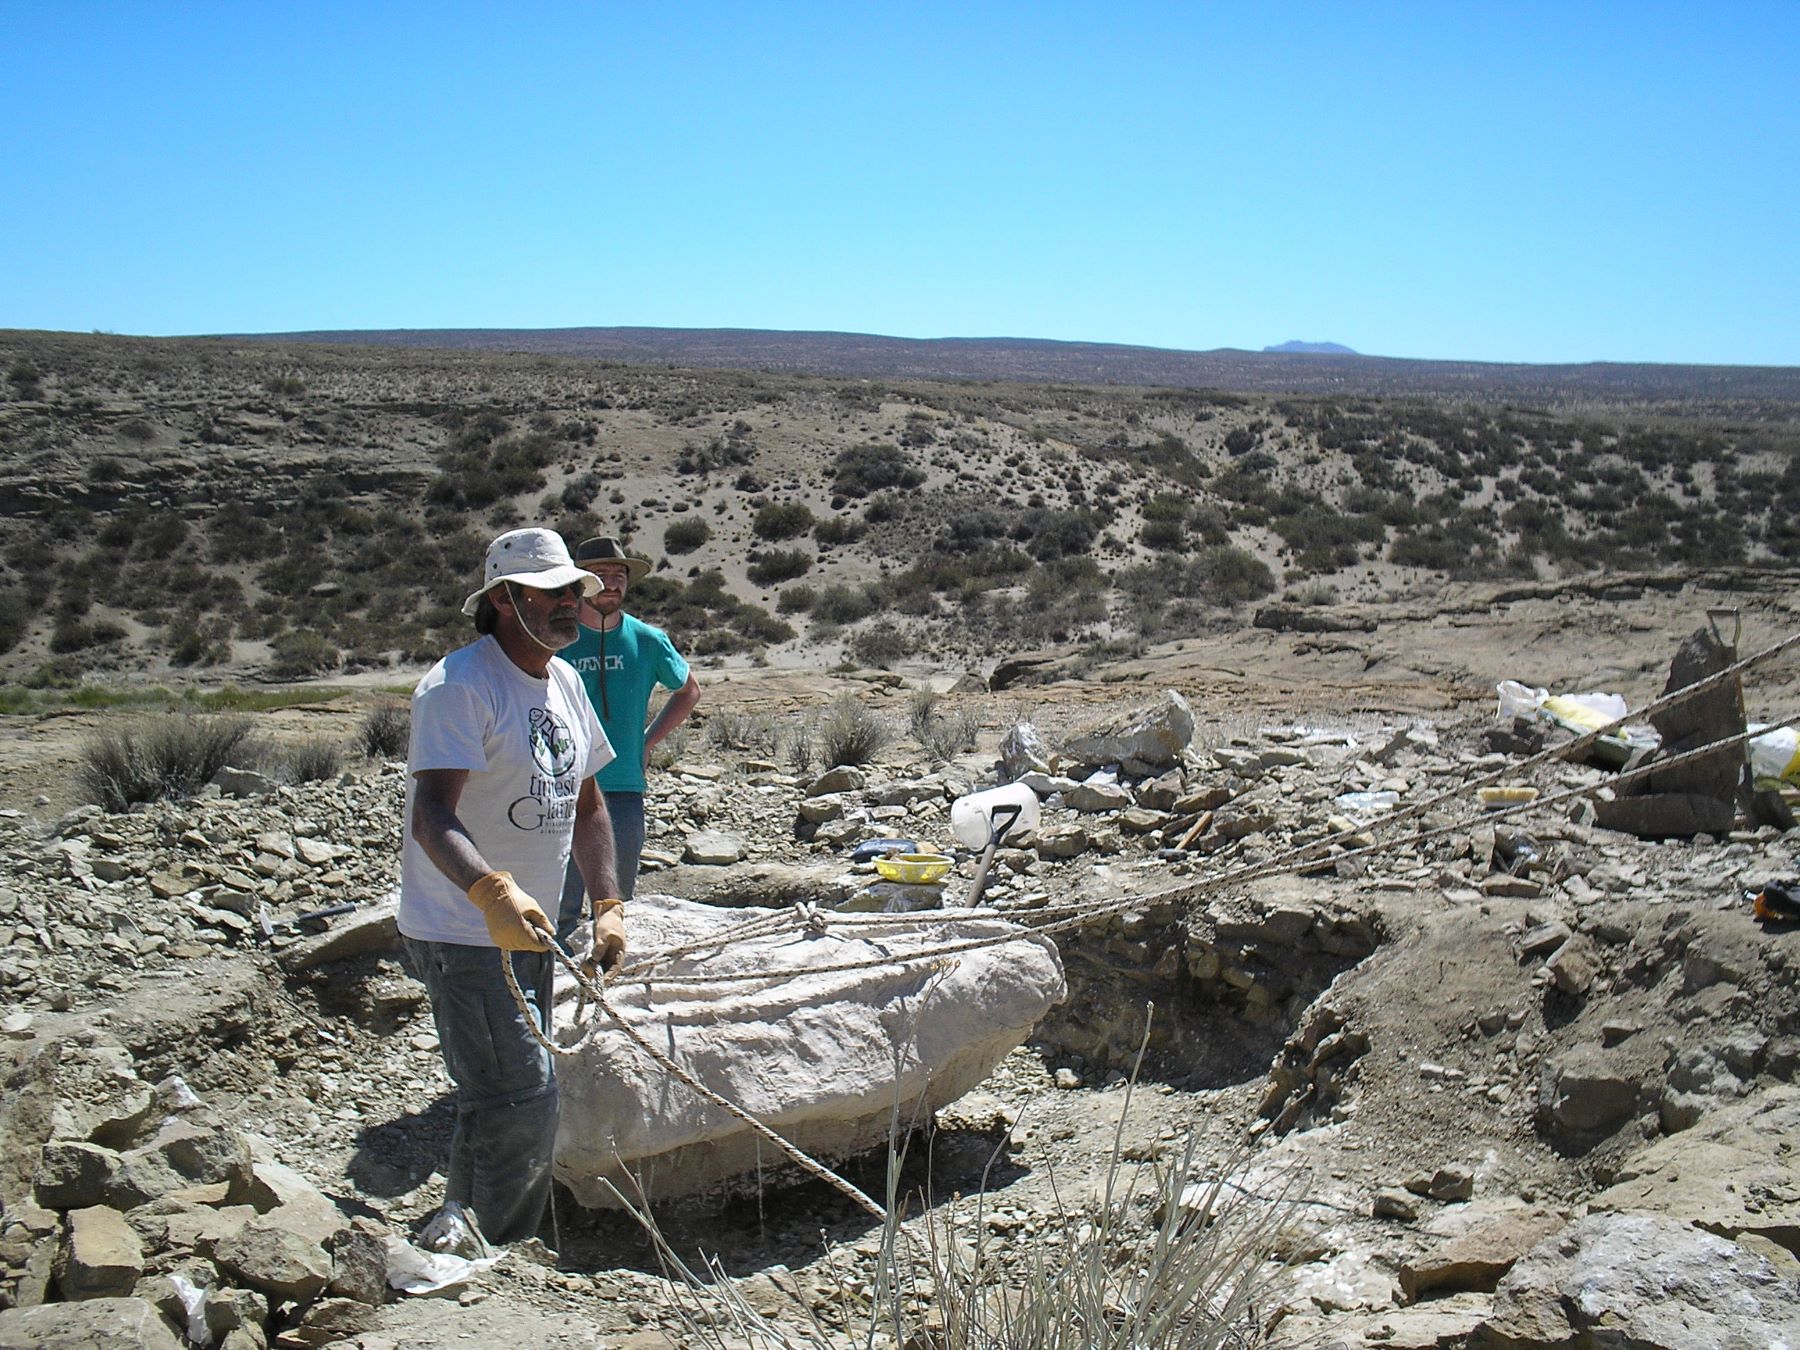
x=626, y=811
x=505, y=1138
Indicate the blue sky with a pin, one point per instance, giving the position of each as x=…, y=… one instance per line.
x=1556, y=182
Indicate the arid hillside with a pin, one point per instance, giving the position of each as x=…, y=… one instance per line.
x=235, y=509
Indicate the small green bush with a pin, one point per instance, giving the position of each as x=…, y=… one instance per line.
x=754, y=733
x=302, y=654
x=800, y=745
x=1229, y=576
x=386, y=732
x=796, y=600
x=759, y=625
x=781, y=520
x=863, y=469
x=779, y=564
x=684, y=536
x=849, y=733
x=15, y=617
x=942, y=736
x=842, y=604
x=880, y=647
x=884, y=508
x=312, y=761
x=839, y=530
x=165, y=758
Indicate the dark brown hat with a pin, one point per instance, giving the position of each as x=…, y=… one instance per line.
x=605, y=548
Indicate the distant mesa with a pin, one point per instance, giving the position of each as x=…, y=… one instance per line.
x=1315, y=348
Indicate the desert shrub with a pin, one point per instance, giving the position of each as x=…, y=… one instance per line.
x=884, y=508
x=1324, y=540
x=137, y=429
x=577, y=496
x=754, y=733
x=1229, y=576
x=385, y=732
x=1061, y=534
x=684, y=536
x=1313, y=593
x=839, y=530
x=880, y=647
x=781, y=520
x=192, y=642
x=1163, y=530
x=1462, y=551
x=71, y=635
x=920, y=709
x=482, y=466
x=974, y=528
x=720, y=452
x=862, y=469
x=165, y=758
x=839, y=603
x=758, y=625
x=796, y=600
x=300, y=654
x=312, y=761
x=24, y=379
x=800, y=745
x=777, y=565
x=15, y=617
x=942, y=736
x=849, y=733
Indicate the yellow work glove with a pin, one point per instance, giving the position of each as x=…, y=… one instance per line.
x=514, y=920
x=609, y=937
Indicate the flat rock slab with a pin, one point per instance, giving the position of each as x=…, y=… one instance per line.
x=710, y=848
x=1734, y=1172
x=821, y=1055
x=93, y=1324
x=1642, y=1281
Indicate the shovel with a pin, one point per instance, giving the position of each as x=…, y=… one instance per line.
x=997, y=829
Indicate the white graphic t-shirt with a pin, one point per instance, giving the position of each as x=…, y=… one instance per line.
x=528, y=745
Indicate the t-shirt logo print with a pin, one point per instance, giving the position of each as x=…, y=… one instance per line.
x=552, y=744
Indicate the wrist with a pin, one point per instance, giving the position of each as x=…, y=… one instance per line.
x=607, y=905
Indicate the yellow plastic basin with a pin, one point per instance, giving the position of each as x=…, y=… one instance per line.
x=916, y=869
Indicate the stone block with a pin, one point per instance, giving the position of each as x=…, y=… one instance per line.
x=100, y=1256
x=95, y=1324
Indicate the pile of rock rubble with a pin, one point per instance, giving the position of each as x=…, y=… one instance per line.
x=133, y=1200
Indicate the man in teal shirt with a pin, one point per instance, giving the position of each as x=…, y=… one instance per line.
x=621, y=660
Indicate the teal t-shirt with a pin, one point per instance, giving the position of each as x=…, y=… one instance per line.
x=638, y=658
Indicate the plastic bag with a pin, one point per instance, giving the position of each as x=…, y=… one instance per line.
x=1579, y=713
x=1775, y=753
x=412, y=1271
x=1364, y=806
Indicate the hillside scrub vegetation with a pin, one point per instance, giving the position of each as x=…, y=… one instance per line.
x=296, y=512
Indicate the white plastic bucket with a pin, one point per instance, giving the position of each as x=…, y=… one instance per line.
x=972, y=817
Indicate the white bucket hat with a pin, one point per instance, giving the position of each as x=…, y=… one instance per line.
x=536, y=558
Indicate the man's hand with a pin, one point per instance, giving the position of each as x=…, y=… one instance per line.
x=609, y=937
x=514, y=920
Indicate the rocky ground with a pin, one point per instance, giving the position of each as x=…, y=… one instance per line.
x=1525, y=1055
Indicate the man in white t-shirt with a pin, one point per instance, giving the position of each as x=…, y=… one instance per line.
x=500, y=791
